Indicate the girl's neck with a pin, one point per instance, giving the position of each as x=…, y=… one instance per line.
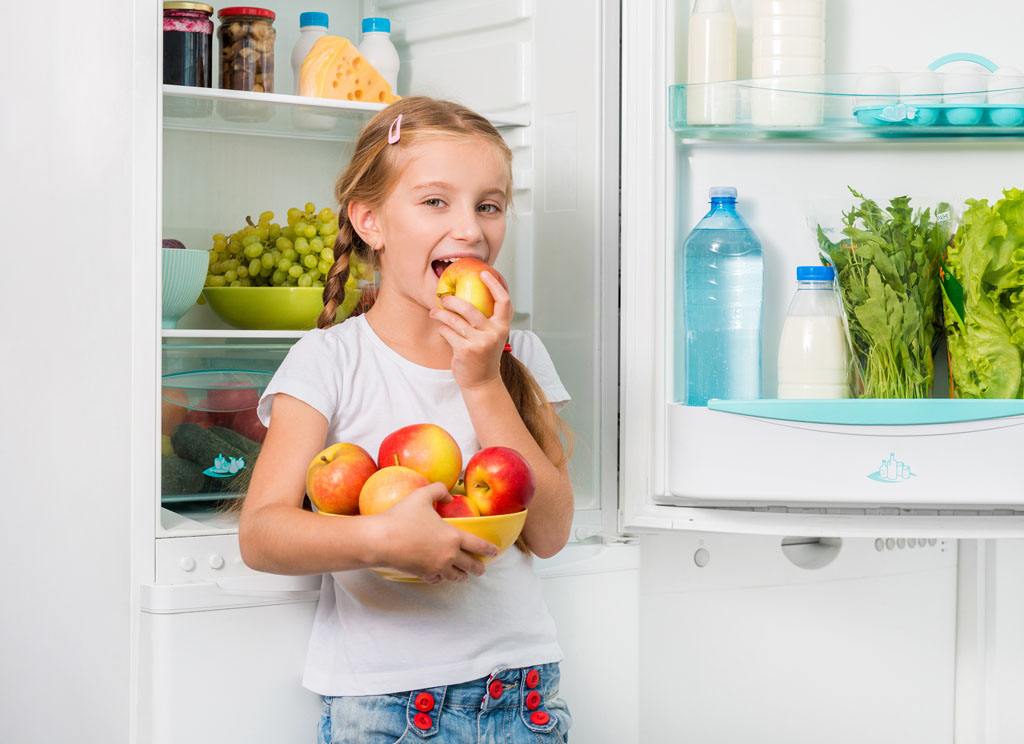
x=406, y=327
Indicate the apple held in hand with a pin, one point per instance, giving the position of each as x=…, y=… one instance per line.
x=499, y=481
x=462, y=279
x=459, y=506
x=387, y=487
x=426, y=448
x=335, y=477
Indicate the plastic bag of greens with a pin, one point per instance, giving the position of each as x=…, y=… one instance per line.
x=887, y=267
x=983, y=290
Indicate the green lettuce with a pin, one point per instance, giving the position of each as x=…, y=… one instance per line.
x=986, y=256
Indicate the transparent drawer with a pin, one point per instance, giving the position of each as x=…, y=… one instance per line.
x=210, y=433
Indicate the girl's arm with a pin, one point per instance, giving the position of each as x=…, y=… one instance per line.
x=477, y=344
x=277, y=535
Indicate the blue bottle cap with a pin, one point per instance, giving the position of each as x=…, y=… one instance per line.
x=815, y=273
x=376, y=24
x=312, y=19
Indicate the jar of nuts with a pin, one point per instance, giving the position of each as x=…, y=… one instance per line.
x=247, y=49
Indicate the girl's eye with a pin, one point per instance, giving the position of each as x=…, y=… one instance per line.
x=489, y=208
x=434, y=202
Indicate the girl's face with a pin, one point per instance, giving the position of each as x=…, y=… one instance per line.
x=448, y=203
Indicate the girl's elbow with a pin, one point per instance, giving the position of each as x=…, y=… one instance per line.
x=249, y=547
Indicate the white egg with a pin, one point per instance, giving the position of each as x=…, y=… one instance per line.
x=877, y=87
x=965, y=87
x=920, y=87
x=1006, y=85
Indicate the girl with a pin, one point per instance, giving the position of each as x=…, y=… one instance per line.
x=470, y=655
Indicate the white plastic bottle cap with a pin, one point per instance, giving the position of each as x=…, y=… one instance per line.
x=722, y=192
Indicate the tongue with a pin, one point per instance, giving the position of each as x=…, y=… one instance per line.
x=438, y=267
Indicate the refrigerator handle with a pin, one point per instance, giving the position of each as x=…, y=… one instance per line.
x=270, y=585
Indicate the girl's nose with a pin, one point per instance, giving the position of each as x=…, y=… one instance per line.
x=466, y=228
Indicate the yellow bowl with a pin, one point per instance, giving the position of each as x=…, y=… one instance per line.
x=501, y=530
x=272, y=308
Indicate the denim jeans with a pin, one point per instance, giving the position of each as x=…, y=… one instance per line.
x=510, y=706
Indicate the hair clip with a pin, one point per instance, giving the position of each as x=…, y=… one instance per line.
x=395, y=131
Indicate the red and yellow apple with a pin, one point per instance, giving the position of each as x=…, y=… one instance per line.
x=499, y=481
x=248, y=424
x=426, y=448
x=462, y=279
x=387, y=487
x=459, y=506
x=335, y=477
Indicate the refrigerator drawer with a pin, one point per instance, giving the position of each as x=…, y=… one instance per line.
x=723, y=458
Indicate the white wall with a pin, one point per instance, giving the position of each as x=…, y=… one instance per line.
x=66, y=134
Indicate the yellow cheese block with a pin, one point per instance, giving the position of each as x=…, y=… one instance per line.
x=334, y=68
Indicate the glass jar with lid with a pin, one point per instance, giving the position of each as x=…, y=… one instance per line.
x=188, y=44
x=247, y=49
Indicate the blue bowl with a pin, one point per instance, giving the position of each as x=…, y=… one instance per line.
x=184, y=273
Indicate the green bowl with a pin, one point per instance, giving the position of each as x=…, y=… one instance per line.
x=267, y=308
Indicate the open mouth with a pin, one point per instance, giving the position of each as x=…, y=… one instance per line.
x=441, y=264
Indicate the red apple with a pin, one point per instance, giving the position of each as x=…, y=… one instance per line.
x=426, y=448
x=462, y=279
x=248, y=424
x=499, y=481
x=387, y=487
x=335, y=477
x=230, y=399
x=459, y=506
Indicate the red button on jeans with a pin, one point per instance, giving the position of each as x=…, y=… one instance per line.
x=495, y=689
x=532, y=700
x=539, y=717
x=532, y=678
x=423, y=721
x=424, y=701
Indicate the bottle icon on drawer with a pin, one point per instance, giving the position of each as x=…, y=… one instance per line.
x=892, y=471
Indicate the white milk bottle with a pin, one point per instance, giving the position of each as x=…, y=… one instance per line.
x=814, y=357
x=312, y=25
x=711, y=58
x=376, y=46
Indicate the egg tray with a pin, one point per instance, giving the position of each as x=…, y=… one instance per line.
x=995, y=115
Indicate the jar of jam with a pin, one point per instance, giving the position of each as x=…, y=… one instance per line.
x=188, y=44
x=247, y=49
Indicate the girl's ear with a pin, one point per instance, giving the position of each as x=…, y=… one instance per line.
x=364, y=220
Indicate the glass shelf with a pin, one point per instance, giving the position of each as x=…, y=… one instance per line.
x=873, y=411
x=274, y=114
x=202, y=333
x=843, y=107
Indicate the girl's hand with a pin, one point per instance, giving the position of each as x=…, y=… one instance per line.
x=413, y=538
x=476, y=340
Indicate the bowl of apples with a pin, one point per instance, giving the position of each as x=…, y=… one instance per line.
x=488, y=501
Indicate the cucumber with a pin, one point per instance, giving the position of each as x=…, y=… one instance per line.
x=238, y=441
x=179, y=476
x=201, y=446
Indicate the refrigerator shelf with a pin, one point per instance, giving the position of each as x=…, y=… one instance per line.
x=200, y=333
x=873, y=411
x=275, y=114
x=841, y=107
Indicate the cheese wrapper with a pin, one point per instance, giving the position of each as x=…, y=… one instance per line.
x=334, y=68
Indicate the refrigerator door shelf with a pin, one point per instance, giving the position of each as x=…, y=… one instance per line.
x=959, y=465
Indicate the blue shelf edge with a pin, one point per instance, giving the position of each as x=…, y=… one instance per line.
x=873, y=411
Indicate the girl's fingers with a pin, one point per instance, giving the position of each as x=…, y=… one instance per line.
x=455, y=340
x=453, y=320
x=502, y=299
x=464, y=309
x=469, y=563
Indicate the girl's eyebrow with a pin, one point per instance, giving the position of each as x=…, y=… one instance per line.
x=445, y=186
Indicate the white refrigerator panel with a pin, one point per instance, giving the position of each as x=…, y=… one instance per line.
x=742, y=640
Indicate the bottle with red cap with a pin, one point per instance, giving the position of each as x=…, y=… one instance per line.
x=247, y=48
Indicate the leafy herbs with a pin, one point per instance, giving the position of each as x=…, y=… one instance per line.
x=986, y=340
x=887, y=267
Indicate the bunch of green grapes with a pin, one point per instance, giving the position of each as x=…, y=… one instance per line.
x=265, y=254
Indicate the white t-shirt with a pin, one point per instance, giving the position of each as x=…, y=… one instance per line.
x=373, y=636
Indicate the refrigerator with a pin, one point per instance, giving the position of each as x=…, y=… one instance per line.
x=707, y=593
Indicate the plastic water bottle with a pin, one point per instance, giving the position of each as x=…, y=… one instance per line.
x=376, y=46
x=719, y=293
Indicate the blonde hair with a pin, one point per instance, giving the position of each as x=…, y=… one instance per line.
x=369, y=178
